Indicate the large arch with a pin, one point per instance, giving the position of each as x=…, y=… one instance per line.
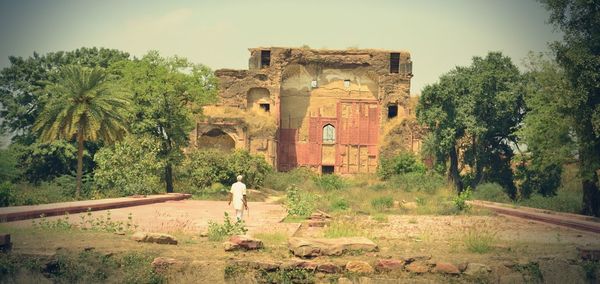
x=216, y=139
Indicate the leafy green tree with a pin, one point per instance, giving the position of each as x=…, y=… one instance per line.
x=579, y=55
x=85, y=106
x=167, y=93
x=22, y=84
x=472, y=113
x=131, y=166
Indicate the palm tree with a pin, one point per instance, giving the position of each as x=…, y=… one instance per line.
x=85, y=106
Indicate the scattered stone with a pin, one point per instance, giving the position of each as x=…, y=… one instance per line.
x=204, y=234
x=475, y=269
x=589, y=253
x=359, y=267
x=417, y=258
x=389, y=265
x=242, y=242
x=317, y=223
x=328, y=267
x=120, y=233
x=311, y=247
x=417, y=267
x=446, y=268
x=157, y=238
x=5, y=244
x=306, y=265
x=89, y=248
x=267, y=265
x=559, y=271
x=162, y=264
x=397, y=204
x=462, y=266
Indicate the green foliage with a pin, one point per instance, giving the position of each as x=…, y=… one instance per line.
x=8, y=166
x=382, y=203
x=87, y=222
x=24, y=80
x=403, y=163
x=299, y=203
x=205, y=167
x=578, y=54
x=476, y=108
x=280, y=181
x=544, y=181
x=6, y=195
x=418, y=182
x=130, y=167
x=563, y=201
x=167, y=93
x=85, y=106
x=342, y=230
x=460, y=201
x=339, y=205
x=44, y=161
x=491, y=192
x=218, y=232
x=329, y=182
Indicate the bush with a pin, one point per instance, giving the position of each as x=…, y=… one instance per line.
x=460, y=201
x=563, y=201
x=299, y=203
x=382, y=203
x=280, y=181
x=491, y=192
x=6, y=194
x=329, y=182
x=404, y=163
x=131, y=166
x=544, y=181
x=205, y=167
x=339, y=205
x=218, y=232
x=416, y=181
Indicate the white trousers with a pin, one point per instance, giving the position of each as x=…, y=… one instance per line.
x=239, y=214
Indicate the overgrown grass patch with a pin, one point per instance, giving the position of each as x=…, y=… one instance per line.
x=340, y=229
x=480, y=238
x=276, y=238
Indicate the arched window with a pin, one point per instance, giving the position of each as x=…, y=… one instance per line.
x=328, y=134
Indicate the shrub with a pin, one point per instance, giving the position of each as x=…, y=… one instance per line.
x=460, y=201
x=563, y=201
x=299, y=203
x=280, y=181
x=404, y=163
x=339, y=205
x=329, y=182
x=8, y=166
x=382, y=203
x=6, y=194
x=491, y=192
x=420, y=182
x=205, y=167
x=131, y=166
x=218, y=232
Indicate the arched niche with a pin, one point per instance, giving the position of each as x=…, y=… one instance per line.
x=216, y=139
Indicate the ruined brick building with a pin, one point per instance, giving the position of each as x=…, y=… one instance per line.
x=329, y=110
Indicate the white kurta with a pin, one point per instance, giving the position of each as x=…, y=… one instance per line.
x=238, y=190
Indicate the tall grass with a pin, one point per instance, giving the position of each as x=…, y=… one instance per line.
x=343, y=229
x=480, y=238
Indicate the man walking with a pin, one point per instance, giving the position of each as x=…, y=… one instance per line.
x=237, y=195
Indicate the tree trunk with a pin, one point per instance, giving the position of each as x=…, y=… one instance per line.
x=589, y=162
x=79, y=162
x=454, y=174
x=169, y=177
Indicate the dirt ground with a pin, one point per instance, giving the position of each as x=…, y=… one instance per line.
x=398, y=236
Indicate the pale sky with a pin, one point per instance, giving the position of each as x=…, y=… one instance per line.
x=439, y=34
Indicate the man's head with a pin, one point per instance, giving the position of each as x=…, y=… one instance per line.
x=239, y=178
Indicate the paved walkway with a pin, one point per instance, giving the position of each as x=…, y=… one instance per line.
x=574, y=221
x=188, y=216
x=53, y=209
